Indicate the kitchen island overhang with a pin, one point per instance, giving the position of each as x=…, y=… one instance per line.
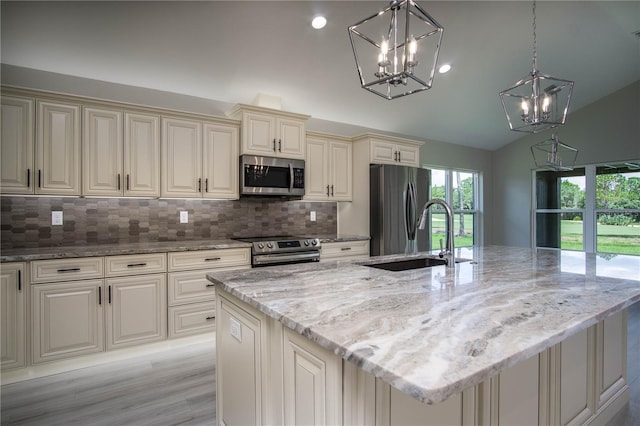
x=433, y=332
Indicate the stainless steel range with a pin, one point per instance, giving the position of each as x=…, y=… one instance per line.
x=278, y=250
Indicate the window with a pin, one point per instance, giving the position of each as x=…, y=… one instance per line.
x=459, y=189
x=593, y=209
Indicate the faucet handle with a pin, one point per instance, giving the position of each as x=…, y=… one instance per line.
x=441, y=254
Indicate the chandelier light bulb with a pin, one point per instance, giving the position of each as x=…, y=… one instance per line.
x=525, y=107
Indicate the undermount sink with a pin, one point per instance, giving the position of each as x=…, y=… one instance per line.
x=407, y=264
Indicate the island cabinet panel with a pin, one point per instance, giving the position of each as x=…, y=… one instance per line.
x=611, y=361
x=12, y=321
x=312, y=379
x=240, y=357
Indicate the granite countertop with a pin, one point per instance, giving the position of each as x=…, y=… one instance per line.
x=60, y=252
x=433, y=332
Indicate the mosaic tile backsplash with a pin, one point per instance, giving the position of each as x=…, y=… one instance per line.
x=26, y=221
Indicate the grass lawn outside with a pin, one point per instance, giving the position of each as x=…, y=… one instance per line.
x=610, y=238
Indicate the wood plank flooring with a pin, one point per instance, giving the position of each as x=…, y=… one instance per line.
x=176, y=387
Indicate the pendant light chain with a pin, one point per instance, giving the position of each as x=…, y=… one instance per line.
x=534, y=60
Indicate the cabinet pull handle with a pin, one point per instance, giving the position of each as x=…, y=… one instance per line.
x=327, y=190
x=211, y=259
x=332, y=190
x=210, y=318
x=136, y=265
x=399, y=156
x=345, y=248
x=128, y=182
x=19, y=280
x=109, y=294
x=39, y=178
x=118, y=181
x=65, y=270
x=211, y=285
x=99, y=295
x=28, y=178
x=280, y=145
x=199, y=184
x=274, y=144
x=206, y=185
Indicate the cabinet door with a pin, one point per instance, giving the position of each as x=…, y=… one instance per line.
x=102, y=171
x=136, y=310
x=408, y=155
x=576, y=367
x=340, y=171
x=317, y=170
x=383, y=152
x=194, y=318
x=16, y=145
x=189, y=287
x=291, y=140
x=181, y=158
x=141, y=155
x=12, y=321
x=58, y=148
x=312, y=383
x=259, y=136
x=220, y=161
x=67, y=319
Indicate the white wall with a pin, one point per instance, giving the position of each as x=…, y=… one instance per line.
x=606, y=131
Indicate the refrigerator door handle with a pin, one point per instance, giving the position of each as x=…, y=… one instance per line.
x=410, y=212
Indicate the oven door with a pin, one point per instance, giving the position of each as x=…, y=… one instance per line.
x=285, y=258
x=271, y=176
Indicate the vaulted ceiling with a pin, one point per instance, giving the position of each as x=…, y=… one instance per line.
x=231, y=51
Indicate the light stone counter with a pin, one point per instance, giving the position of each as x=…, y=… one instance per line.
x=432, y=333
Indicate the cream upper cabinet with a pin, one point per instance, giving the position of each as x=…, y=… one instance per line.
x=58, y=148
x=388, y=152
x=199, y=160
x=271, y=133
x=141, y=155
x=17, y=145
x=12, y=322
x=328, y=168
x=220, y=161
x=120, y=159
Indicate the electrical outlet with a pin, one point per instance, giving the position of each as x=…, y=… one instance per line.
x=313, y=216
x=184, y=217
x=56, y=218
x=236, y=329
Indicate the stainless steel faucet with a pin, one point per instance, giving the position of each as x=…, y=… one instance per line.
x=448, y=254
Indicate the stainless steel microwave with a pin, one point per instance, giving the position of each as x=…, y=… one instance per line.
x=271, y=176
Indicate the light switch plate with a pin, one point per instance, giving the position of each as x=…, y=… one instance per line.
x=313, y=216
x=236, y=329
x=56, y=218
x=184, y=217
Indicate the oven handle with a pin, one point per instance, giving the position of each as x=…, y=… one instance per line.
x=262, y=259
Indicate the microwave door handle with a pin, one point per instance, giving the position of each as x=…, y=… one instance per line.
x=290, y=178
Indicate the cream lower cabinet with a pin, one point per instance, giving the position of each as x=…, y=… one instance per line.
x=345, y=250
x=328, y=168
x=191, y=297
x=13, y=288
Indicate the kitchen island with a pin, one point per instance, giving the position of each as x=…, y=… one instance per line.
x=512, y=336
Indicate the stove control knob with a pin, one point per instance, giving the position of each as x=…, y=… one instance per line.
x=306, y=242
x=314, y=242
x=269, y=245
x=260, y=246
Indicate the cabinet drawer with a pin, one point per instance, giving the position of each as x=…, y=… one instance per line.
x=190, y=319
x=135, y=264
x=190, y=287
x=345, y=250
x=189, y=260
x=44, y=271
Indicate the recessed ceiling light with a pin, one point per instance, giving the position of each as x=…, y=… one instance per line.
x=444, y=68
x=319, y=22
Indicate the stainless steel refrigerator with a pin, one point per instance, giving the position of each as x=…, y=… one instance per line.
x=396, y=199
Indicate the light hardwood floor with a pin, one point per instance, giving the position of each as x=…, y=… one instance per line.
x=176, y=387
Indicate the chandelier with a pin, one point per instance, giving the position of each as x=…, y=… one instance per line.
x=398, y=48
x=551, y=154
x=538, y=101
